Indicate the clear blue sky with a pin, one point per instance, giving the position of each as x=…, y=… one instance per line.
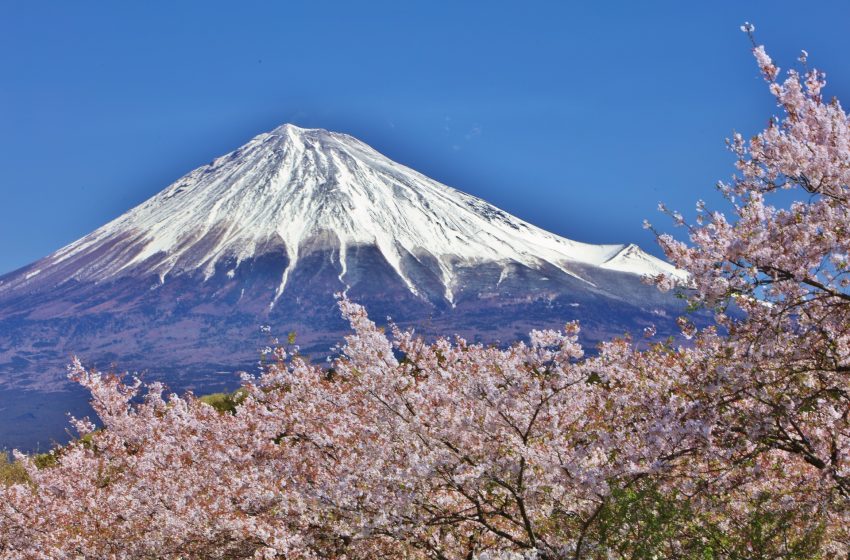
x=577, y=116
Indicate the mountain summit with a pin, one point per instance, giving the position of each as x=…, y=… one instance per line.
x=266, y=234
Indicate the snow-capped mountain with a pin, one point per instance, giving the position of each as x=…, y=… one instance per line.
x=269, y=232
x=307, y=189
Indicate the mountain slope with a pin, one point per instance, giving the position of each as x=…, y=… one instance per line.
x=268, y=233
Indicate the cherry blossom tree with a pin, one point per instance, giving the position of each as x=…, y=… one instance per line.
x=733, y=445
x=779, y=384
x=459, y=449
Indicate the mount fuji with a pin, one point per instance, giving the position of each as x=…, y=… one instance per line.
x=266, y=235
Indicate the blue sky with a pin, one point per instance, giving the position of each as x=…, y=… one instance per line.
x=577, y=116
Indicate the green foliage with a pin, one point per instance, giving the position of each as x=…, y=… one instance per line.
x=45, y=460
x=639, y=522
x=767, y=531
x=224, y=402
x=11, y=472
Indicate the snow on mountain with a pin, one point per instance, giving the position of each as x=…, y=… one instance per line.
x=630, y=258
x=308, y=188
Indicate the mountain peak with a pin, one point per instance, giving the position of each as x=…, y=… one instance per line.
x=317, y=138
x=287, y=127
x=288, y=130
